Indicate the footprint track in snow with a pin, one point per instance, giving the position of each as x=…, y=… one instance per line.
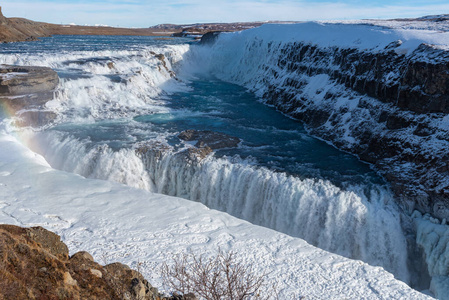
x=55, y=217
x=59, y=221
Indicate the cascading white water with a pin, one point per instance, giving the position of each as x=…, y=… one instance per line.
x=108, y=84
x=347, y=222
x=91, y=161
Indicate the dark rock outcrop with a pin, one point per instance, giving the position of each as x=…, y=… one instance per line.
x=410, y=82
x=210, y=37
x=196, y=154
x=155, y=150
x=35, y=264
x=162, y=59
x=22, y=80
x=203, y=28
x=206, y=138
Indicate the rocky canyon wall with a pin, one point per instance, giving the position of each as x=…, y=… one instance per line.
x=388, y=108
x=377, y=93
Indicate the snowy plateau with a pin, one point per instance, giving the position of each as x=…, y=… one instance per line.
x=349, y=83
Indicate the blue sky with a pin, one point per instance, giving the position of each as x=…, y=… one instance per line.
x=144, y=13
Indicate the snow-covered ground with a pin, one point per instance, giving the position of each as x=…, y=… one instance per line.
x=118, y=223
x=429, y=23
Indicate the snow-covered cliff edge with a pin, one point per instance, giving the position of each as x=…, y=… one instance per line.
x=378, y=92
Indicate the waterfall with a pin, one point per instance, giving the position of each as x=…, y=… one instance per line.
x=360, y=222
x=348, y=222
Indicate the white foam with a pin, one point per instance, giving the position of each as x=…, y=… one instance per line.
x=108, y=84
x=345, y=222
x=118, y=223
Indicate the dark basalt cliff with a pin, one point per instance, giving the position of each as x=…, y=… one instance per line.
x=409, y=82
x=388, y=108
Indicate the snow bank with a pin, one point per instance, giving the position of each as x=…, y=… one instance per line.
x=244, y=57
x=358, y=36
x=119, y=223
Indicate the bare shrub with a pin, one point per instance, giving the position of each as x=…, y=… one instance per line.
x=221, y=277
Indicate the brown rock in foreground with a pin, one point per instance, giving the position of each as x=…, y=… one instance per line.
x=35, y=264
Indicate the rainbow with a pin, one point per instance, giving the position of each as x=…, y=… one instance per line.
x=6, y=109
x=10, y=121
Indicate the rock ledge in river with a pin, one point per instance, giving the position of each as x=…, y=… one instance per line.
x=25, y=88
x=207, y=138
x=21, y=81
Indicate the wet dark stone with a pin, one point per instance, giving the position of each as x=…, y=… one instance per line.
x=397, y=122
x=209, y=38
x=21, y=80
x=212, y=139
